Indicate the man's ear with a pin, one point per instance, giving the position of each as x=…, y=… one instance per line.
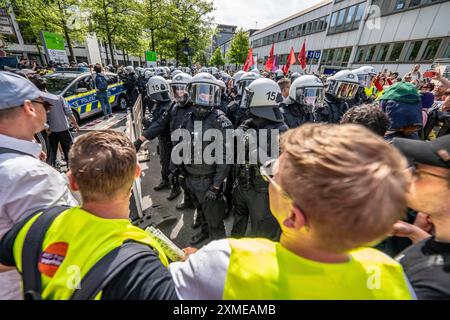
x=296, y=219
x=72, y=183
x=138, y=171
x=29, y=108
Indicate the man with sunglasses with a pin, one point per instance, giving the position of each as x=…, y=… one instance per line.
x=26, y=183
x=427, y=262
x=335, y=190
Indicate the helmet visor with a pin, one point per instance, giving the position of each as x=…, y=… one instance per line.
x=205, y=95
x=365, y=80
x=312, y=96
x=345, y=90
x=179, y=93
x=242, y=85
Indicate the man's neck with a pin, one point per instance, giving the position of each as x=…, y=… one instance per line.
x=303, y=248
x=442, y=229
x=115, y=209
x=13, y=132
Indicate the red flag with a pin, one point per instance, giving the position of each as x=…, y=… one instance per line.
x=250, y=61
x=270, y=60
x=290, y=61
x=302, y=56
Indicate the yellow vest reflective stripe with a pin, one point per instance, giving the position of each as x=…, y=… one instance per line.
x=264, y=270
x=73, y=244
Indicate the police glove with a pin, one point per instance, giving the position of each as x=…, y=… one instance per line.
x=137, y=144
x=212, y=194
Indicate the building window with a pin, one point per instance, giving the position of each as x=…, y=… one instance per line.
x=413, y=50
x=347, y=54
x=360, y=54
x=447, y=52
x=333, y=19
x=382, y=52
x=431, y=49
x=340, y=19
x=396, y=51
x=339, y=55
x=369, y=54
x=415, y=3
x=314, y=26
x=350, y=14
x=360, y=11
x=399, y=5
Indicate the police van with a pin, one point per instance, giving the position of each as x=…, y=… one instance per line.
x=78, y=89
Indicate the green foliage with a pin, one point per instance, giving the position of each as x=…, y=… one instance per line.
x=217, y=59
x=239, y=48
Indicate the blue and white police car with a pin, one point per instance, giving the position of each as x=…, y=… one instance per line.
x=79, y=91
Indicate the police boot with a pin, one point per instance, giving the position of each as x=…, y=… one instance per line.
x=164, y=184
x=199, y=237
x=175, y=192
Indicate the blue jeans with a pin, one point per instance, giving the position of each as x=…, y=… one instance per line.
x=104, y=102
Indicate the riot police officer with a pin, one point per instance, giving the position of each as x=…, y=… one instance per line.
x=305, y=95
x=279, y=74
x=130, y=84
x=365, y=74
x=235, y=112
x=204, y=179
x=158, y=91
x=340, y=88
x=250, y=193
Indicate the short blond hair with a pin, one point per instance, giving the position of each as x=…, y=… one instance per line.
x=103, y=164
x=350, y=183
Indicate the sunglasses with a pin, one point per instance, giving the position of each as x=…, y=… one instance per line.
x=419, y=173
x=268, y=171
x=47, y=106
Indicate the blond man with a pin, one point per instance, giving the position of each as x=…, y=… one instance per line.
x=80, y=242
x=334, y=190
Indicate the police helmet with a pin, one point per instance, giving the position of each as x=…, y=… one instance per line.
x=365, y=74
x=245, y=81
x=262, y=98
x=279, y=74
x=307, y=91
x=179, y=87
x=204, y=91
x=343, y=85
x=158, y=89
x=295, y=76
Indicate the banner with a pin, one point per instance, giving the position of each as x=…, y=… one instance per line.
x=250, y=60
x=55, y=47
x=150, y=58
x=302, y=56
x=270, y=60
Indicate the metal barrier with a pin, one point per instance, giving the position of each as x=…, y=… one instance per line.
x=133, y=131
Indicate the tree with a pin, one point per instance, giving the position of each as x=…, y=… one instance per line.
x=217, y=59
x=116, y=21
x=60, y=16
x=239, y=48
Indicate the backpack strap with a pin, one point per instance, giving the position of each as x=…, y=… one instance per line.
x=108, y=267
x=4, y=150
x=32, y=248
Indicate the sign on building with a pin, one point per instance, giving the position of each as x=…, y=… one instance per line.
x=150, y=58
x=5, y=22
x=55, y=47
x=313, y=54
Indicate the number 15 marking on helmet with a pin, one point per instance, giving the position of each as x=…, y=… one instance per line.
x=271, y=96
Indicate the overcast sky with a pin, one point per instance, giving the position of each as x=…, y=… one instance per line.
x=245, y=13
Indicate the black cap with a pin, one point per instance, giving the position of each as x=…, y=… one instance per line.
x=434, y=153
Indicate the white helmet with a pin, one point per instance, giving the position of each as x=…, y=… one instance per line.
x=245, y=81
x=179, y=87
x=214, y=70
x=365, y=75
x=262, y=97
x=204, y=90
x=158, y=89
x=175, y=72
x=307, y=91
x=256, y=71
x=237, y=76
x=148, y=74
x=129, y=69
x=140, y=71
x=343, y=85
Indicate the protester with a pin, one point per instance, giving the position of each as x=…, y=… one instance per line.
x=371, y=117
x=103, y=166
x=427, y=263
x=321, y=253
x=285, y=85
x=59, y=126
x=26, y=183
x=401, y=103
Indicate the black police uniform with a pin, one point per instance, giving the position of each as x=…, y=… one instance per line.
x=332, y=111
x=159, y=127
x=295, y=115
x=131, y=85
x=235, y=113
x=200, y=178
x=250, y=192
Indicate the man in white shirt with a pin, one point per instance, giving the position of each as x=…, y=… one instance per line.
x=26, y=183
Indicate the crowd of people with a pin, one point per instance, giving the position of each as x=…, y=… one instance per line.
x=354, y=206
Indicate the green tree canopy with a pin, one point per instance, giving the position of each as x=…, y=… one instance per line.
x=217, y=59
x=239, y=48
